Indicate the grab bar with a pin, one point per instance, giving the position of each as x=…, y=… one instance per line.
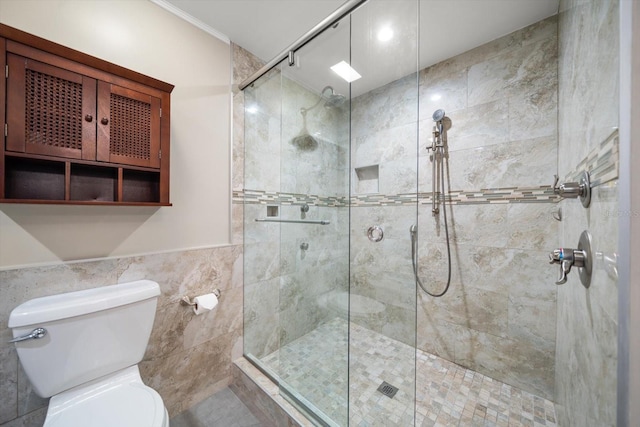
x=295, y=221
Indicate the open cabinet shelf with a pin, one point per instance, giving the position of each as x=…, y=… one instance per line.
x=36, y=179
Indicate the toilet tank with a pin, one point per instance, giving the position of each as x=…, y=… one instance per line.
x=90, y=333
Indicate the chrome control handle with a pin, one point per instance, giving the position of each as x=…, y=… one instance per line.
x=574, y=190
x=36, y=334
x=567, y=258
x=580, y=258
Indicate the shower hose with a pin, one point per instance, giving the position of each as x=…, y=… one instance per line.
x=414, y=247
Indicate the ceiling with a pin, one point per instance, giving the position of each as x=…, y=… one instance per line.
x=446, y=27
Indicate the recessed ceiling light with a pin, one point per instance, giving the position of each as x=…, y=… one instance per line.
x=252, y=109
x=385, y=34
x=436, y=97
x=345, y=71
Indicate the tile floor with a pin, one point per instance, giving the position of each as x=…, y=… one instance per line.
x=315, y=365
x=222, y=409
x=450, y=395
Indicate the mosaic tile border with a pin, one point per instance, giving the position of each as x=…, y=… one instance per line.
x=603, y=162
x=267, y=197
x=542, y=194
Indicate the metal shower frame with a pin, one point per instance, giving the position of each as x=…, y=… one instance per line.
x=337, y=15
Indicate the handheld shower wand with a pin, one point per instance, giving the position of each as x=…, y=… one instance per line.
x=438, y=117
x=437, y=145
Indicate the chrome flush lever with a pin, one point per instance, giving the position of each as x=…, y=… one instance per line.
x=580, y=258
x=36, y=334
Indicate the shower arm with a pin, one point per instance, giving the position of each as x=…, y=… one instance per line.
x=304, y=110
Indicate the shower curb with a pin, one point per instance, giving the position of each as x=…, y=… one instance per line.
x=262, y=397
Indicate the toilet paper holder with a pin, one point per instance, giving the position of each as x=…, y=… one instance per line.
x=185, y=300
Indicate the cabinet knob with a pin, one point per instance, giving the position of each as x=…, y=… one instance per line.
x=104, y=121
x=88, y=118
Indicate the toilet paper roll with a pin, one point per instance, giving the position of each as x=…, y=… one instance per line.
x=204, y=303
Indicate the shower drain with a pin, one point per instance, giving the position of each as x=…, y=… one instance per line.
x=387, y=389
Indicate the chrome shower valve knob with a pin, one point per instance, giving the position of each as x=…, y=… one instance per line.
x=567, y=258
x=580, y=258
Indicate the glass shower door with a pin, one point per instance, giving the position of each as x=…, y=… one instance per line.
x=297, y=252
x=384, y=147
x=262, y=271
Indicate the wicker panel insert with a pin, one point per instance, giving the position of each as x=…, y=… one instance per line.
x=53, y=111
x=130, y=133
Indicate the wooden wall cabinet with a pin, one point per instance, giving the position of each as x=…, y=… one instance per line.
x=79, y=130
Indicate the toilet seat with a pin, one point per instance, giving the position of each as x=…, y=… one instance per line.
x=120, y=399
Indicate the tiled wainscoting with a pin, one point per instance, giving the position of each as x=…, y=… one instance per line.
x=188, y=357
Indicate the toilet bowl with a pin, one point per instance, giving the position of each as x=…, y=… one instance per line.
x=120, y=400
x=87, y=358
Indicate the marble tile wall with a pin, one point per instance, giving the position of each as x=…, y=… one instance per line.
x=501, y=99
x=188, y=357
x=586, y=354
x=244, y=64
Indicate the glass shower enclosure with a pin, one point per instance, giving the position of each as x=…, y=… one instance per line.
x=378, y=291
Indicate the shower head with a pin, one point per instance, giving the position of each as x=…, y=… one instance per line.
x=304, y=141
x=334, y=100
x=438, y=115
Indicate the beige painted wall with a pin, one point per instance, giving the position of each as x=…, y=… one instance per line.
x=142, y=36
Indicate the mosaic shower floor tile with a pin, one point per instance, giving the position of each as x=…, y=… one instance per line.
x=446, y=394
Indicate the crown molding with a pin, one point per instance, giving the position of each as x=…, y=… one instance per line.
x=190, y=19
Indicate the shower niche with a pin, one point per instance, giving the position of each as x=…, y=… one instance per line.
x=367, y=179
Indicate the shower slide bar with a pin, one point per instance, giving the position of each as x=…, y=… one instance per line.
x=348, y=7
x=294, y=221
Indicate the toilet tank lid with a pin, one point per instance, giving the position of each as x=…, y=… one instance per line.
x=71, y=304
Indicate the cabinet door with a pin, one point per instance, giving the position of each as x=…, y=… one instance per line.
x=50, y=110
x=128, y=126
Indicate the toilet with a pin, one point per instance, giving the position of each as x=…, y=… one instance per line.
x=87, y=358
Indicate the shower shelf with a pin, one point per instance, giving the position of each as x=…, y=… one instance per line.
x=294, y=221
